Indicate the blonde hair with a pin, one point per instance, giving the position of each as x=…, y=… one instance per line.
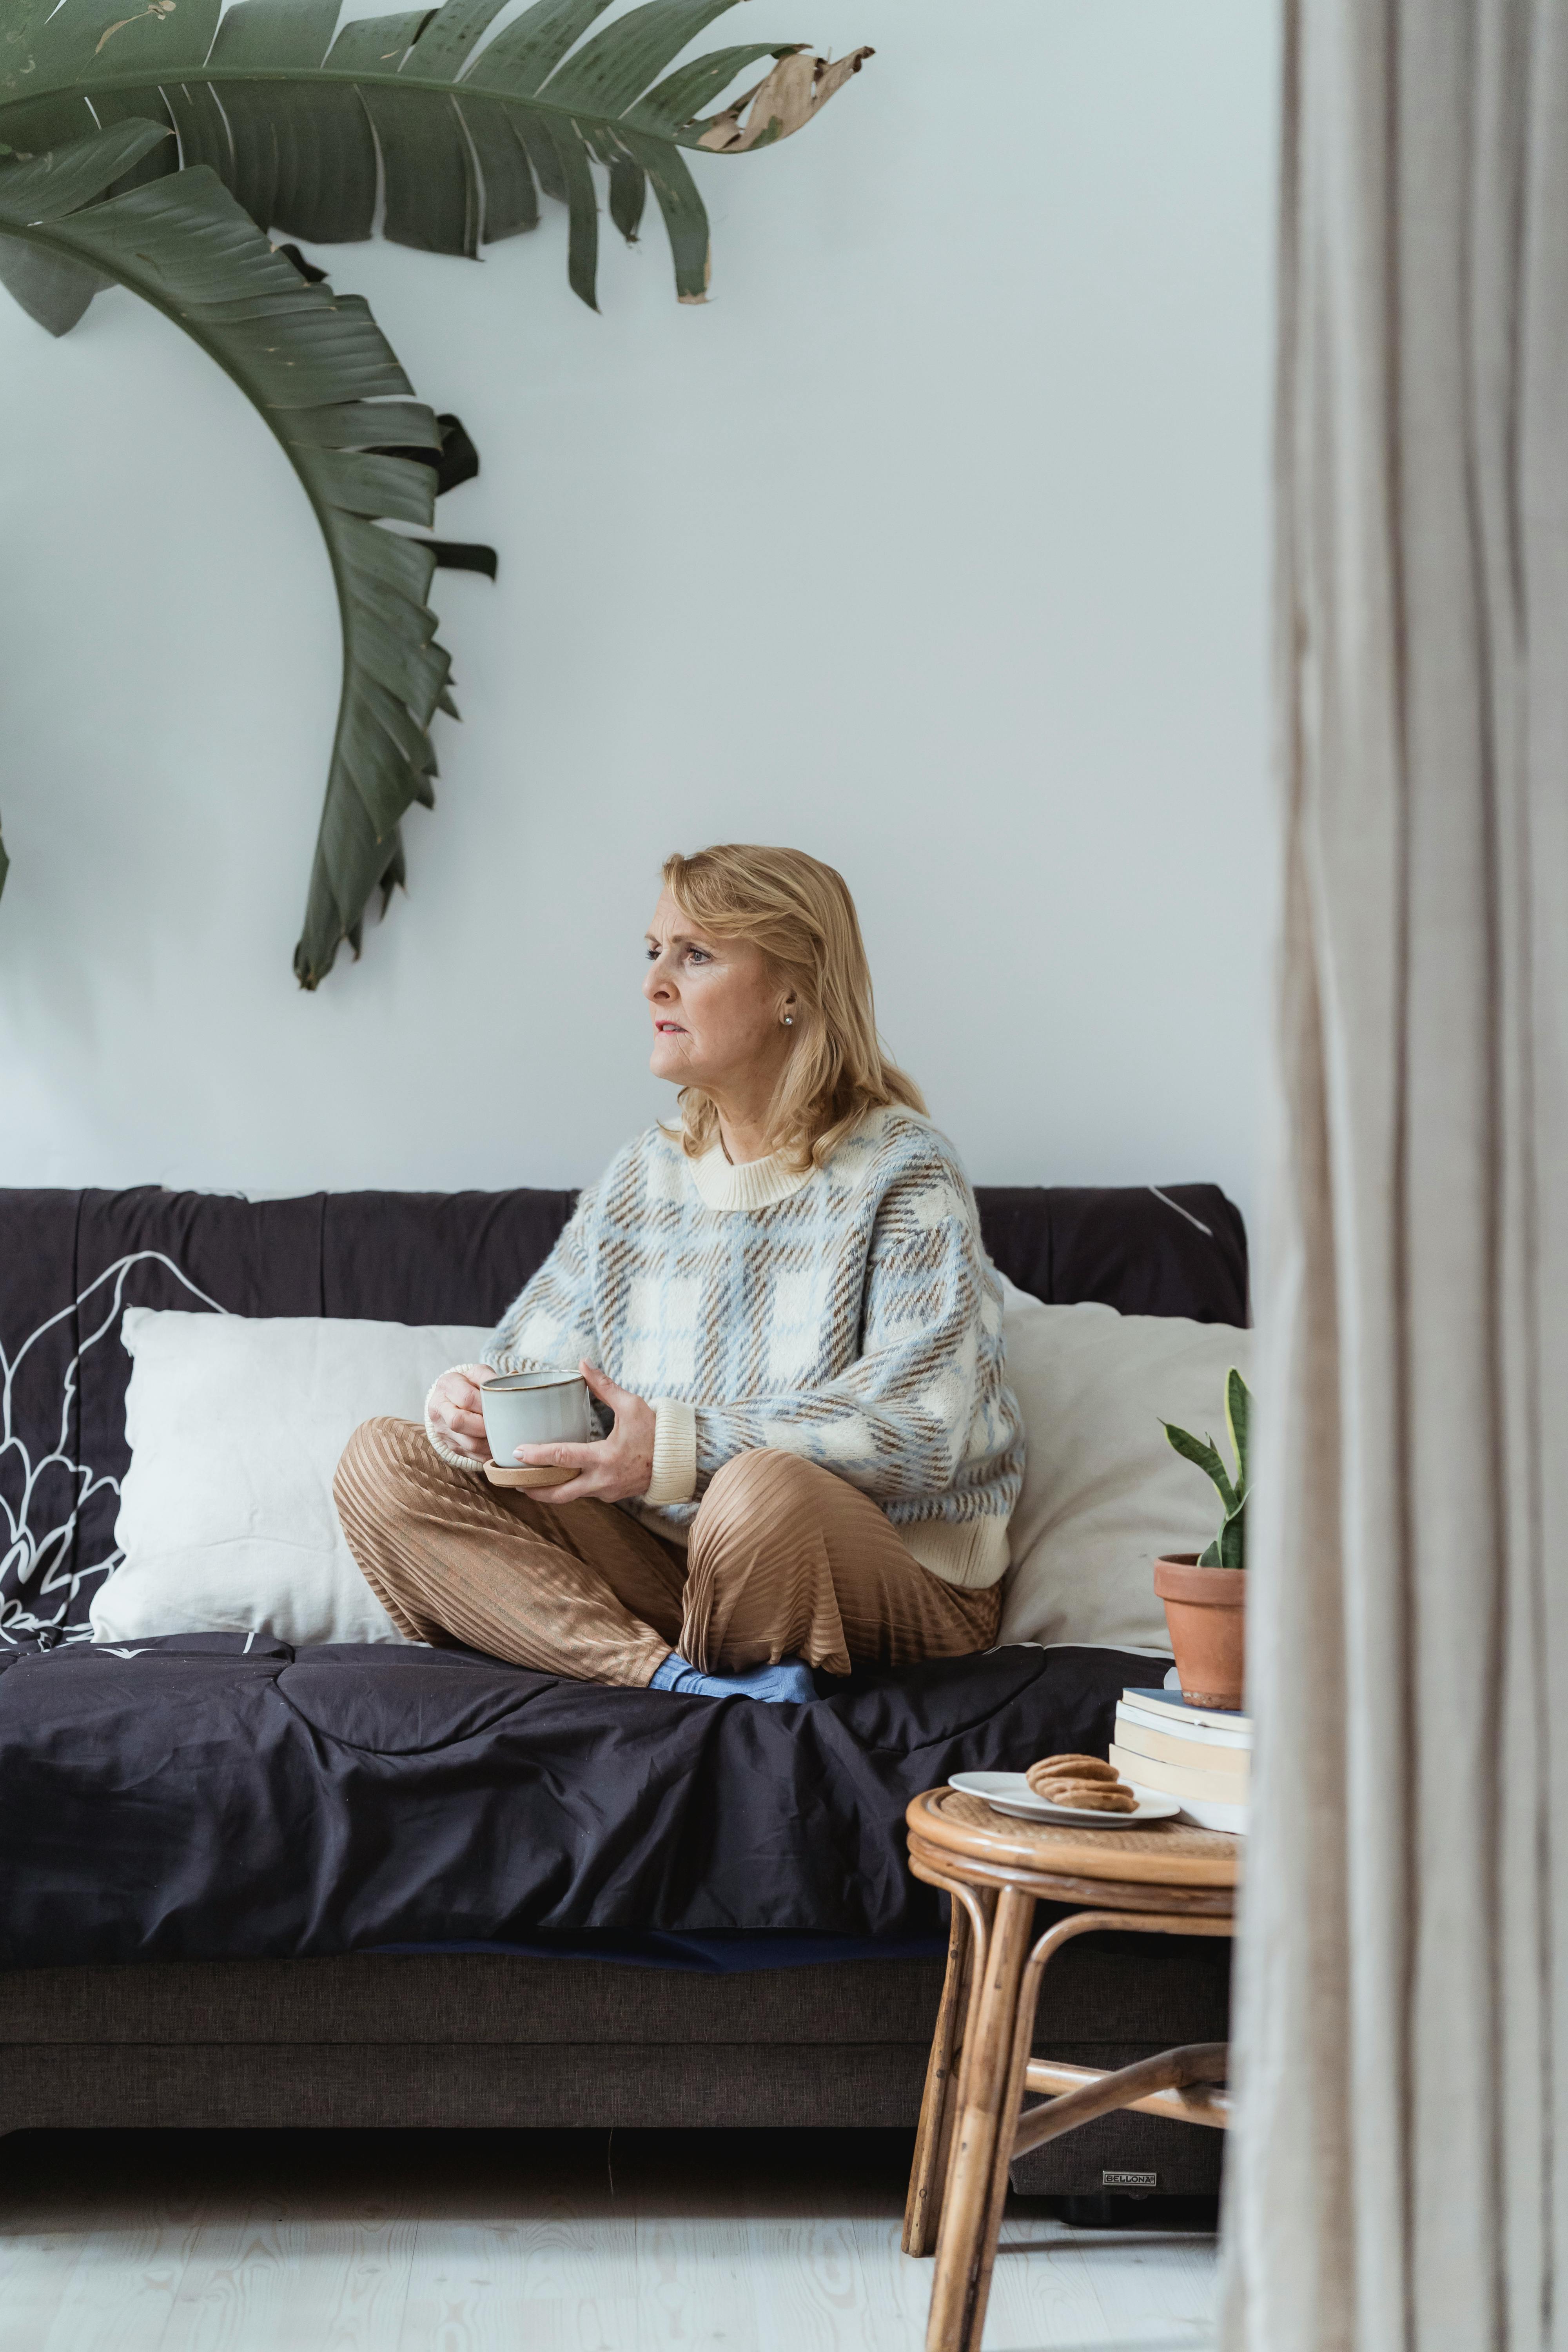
x=800, y=914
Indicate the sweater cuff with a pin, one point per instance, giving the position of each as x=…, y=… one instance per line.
x=437, y=1445
x=674, y=1477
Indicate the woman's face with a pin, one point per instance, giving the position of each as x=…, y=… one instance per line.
x=718, y=1013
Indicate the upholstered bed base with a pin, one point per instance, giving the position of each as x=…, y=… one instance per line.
x=467, y=2041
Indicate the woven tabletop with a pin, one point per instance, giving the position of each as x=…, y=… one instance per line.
x=1165, y=1853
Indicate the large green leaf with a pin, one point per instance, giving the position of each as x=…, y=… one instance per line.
x=292, y=113
x=453, y=118
x=321, y=374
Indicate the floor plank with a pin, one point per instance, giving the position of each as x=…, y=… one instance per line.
x=562, y=2241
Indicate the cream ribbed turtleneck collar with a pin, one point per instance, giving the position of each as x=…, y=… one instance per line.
x=753, y=1184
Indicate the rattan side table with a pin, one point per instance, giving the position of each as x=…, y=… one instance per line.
x=1169, y=1879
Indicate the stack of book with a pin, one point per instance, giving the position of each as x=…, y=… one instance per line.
x=1201, y=1754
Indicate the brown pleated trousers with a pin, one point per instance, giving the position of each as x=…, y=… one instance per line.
x=784, y=1561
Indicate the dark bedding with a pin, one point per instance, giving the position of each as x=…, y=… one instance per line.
x=189, y=1798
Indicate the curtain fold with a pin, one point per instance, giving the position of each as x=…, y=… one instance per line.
x=1400, y=2007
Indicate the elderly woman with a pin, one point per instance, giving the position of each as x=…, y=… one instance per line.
x=788, y=1311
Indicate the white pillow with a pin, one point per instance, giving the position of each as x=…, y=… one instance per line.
x=1104, y=1494
x=235, y=1424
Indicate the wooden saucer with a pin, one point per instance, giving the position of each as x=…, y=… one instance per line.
x=520, y=1475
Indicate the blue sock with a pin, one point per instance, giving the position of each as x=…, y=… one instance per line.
x=788, y=1682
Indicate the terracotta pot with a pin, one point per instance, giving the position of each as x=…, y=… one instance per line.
x=1205, y=1609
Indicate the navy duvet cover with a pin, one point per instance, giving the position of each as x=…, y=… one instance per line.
x=195, y=1798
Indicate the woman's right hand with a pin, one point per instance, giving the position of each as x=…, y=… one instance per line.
x=455, y=1411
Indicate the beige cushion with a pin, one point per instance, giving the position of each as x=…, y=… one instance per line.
x=1103, y=1493
x=235, y=1424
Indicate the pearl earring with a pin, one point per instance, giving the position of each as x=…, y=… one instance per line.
x=789, y=1020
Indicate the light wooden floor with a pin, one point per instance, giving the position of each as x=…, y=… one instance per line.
x=463, y=2241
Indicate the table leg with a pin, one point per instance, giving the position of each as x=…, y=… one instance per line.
x=1023, y=2043
x=967, y=2226
x=933, y=2142
x=980, y=1904
x=924, y=2198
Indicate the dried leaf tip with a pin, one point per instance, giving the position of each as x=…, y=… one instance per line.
x=707, y=280
x=798, y=88
x=155, y=8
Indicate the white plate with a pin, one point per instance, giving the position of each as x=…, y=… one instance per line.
x=1009, y=1792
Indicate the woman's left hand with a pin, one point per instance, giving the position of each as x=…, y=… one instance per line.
x=612, y=1468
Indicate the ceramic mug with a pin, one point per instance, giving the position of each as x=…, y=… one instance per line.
x=535, y=1409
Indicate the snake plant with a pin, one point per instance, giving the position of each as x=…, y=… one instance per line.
x=154, y=141
x=1228, y=1548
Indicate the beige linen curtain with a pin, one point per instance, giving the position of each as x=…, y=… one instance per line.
x=1399, y=2174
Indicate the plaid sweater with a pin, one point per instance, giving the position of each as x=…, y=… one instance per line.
x=849, y=1315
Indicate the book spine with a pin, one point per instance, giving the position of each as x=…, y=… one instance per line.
x=1180, y=1779
x=1177, y=1710
x=1198, y=1734
x=1194, y=1755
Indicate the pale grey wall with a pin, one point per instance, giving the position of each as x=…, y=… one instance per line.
x=936, y=544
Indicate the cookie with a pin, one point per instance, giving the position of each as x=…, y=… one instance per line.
x=1089, y=1796
x=1071, y=1768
